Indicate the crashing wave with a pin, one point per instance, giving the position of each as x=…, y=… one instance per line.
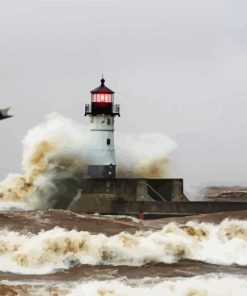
x=48, y=251
x=55, y=159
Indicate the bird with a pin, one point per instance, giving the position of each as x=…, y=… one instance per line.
x=4, y=113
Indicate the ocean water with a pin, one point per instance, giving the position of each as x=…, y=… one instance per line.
x=183, y=259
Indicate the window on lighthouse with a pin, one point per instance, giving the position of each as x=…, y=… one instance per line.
x=102, y=98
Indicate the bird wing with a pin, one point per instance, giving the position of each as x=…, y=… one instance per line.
x=4, y=112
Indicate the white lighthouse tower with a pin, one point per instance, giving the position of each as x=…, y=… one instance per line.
x=101, y=150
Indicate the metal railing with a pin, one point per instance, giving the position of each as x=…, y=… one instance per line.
x=88, y=109
x=116, y=109
x=154, y=195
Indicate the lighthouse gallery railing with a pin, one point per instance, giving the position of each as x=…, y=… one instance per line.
x=115, y=109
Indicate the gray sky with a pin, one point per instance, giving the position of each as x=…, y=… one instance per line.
x=178, y=68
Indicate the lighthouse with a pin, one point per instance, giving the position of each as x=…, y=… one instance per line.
x=101, y=151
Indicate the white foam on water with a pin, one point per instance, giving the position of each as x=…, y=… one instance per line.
x=48, y=251
x=206, y=285
x=212, y=285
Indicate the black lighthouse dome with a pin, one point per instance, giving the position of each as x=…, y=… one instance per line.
x=102, y=89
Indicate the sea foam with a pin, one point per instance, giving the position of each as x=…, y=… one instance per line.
x=48, y=251
x=212, y=285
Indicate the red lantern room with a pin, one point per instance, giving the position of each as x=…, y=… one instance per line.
x=102, y=101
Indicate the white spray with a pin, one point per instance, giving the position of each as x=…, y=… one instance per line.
x=54, y=151
x=54, y=160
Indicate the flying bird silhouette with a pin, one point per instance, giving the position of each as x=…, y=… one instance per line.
x=4, y=113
